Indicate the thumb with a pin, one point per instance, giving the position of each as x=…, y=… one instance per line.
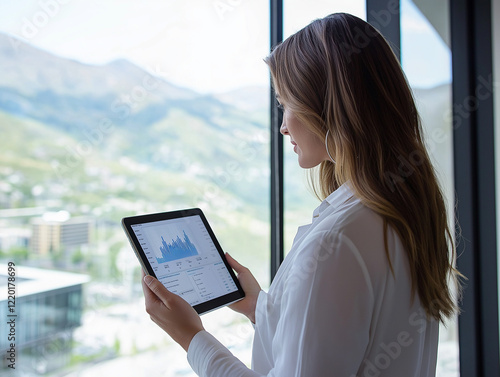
x=157, y=288
x=148, y=279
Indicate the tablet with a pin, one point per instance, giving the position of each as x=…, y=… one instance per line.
x=180, y=249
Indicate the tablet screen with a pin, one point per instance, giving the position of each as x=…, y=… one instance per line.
x=182, y=252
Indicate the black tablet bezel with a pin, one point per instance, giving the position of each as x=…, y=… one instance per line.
x=203, y=307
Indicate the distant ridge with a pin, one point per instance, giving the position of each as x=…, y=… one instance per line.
x=71, y=95
x=107, y=112
x=24, y=65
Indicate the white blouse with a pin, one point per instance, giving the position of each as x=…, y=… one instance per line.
x=334, y=308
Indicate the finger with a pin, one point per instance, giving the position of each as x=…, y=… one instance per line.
x=234, y=264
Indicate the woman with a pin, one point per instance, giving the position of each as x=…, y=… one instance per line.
x=365, y=285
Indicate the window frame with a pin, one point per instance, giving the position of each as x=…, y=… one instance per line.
x=474, y=166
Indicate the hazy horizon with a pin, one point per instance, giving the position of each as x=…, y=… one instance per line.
x=231, y=38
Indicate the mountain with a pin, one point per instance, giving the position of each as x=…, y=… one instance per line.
x=69, y=94
x=255, y=98
x=75, y=120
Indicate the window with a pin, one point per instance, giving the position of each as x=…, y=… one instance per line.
x=118, y=109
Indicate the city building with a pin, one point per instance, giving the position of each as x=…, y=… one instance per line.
x=12, y=237
x=56, y=231
x=44, y=313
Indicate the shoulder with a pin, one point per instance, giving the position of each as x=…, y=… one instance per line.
x=351, y=222
x=352, y=236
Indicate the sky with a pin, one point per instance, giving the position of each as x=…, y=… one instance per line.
x=206, y=45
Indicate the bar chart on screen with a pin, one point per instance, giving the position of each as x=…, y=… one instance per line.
x=169, y=244
x=176, y=245
x=177, y=248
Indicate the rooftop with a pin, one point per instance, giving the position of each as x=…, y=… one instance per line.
x=31, y=280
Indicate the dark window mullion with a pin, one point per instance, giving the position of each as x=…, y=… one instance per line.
x=277, y=207
x=385, y=16
x=483, y=75
x=465, y=188
x=473, y=133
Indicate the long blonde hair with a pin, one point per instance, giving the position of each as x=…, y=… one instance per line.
x=339, y=74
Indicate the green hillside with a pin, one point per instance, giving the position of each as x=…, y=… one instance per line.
x=191, y=165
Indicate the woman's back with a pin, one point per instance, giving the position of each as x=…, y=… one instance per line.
x=336, y=307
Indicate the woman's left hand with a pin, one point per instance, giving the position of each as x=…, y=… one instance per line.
x=169, y=311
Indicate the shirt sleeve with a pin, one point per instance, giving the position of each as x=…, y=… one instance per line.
x=324, y=325
x=209, y=358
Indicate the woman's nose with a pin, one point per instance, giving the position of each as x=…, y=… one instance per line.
x=283, y=129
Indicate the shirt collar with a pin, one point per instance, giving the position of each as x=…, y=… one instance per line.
x=335, y=199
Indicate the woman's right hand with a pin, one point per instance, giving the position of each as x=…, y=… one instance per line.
x=250, y=286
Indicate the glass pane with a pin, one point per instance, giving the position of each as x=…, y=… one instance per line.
x=116, y=108
x=426, y=60
x=300, y=201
